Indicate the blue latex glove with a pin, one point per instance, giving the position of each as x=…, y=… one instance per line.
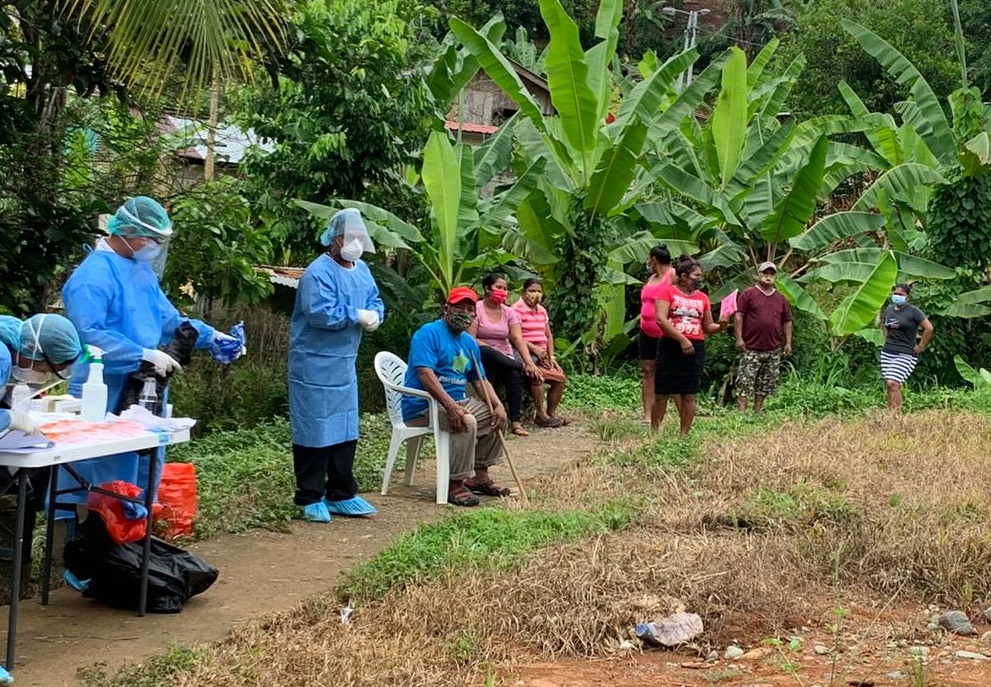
x=226, y=348
x=134, y=511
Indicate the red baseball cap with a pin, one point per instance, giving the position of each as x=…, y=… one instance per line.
x=461, y=293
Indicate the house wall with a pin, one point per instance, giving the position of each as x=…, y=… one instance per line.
x=485, y=103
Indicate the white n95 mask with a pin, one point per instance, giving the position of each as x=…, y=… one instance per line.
x=352, y=250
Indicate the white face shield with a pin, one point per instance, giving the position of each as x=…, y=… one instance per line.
x=355, y=241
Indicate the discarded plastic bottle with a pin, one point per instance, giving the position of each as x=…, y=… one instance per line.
x=675, y=629
x=149, y=396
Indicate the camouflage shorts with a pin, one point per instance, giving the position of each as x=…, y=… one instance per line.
x=758, y=373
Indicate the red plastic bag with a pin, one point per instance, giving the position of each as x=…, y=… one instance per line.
x=177, y=494
x=111, y=510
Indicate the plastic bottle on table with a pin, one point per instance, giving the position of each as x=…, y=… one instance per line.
x=95, y=393
x=149, y=396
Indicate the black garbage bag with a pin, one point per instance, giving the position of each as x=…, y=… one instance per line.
x=114, y=571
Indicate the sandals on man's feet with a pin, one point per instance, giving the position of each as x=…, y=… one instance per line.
x=519, y=431
x=488, y=488
x=462, y=497
x=550, y=422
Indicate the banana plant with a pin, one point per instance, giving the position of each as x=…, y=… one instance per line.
x=593, y=159
x=460, y=235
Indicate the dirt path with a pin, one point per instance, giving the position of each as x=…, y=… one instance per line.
x=260, y=572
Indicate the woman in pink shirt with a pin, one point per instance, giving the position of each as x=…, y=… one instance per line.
x=505, y=356
x=659, y=266
x=537, y=335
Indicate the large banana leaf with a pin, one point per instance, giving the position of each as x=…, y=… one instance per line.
x=729, y=119
x=506, y=202
x=774, y=103
x=618, y=165
x=616, y=170
x=634, y=250
x=966, y=310
x=761, y=160
x=908, y=265
x=455, y=68
x=798, y=296
x=560, y=168
x=902, y=182
x=494, y=155
x=567, y=77
x=442, y=179
x=846, y=271
x=599, y=58
x=837, y=227
x=499, y=69
x=860, y=308
x=687, y=185
x=793, y=211
x=976, y=154
x=756, y=67
x=688, y=101
x=468, y=202
x=977, y=378
x=927, y=116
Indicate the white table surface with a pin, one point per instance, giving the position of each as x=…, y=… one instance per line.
x=70, y=453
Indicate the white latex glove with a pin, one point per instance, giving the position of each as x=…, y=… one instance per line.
x=369, y=320
x=163, y=362
x=20, y=422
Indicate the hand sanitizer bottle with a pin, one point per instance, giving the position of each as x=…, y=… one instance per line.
x=95, y=393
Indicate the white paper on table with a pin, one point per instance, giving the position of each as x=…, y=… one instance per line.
x=153, y=422
x=727, y=307
x=19, y=441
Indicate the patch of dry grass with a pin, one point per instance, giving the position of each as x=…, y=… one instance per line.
x=757, y=536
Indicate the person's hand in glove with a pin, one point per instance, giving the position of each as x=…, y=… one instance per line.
x=226, y=348
x=369, y=320
x=20, y=422
x=164, y=363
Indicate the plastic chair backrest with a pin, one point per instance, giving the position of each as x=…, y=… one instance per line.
x=391, y=369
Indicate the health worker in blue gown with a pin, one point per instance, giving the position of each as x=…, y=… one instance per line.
x=36, y=352
x=336, y=301
x=114, y=300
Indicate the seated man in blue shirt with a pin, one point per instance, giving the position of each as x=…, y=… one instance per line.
x=443, y=358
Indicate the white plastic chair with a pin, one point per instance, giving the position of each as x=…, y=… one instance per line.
x=391, y=370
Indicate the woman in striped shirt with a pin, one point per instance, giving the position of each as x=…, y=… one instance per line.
x=540, y=342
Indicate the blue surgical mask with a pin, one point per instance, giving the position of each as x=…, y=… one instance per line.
x=899, y=299
x=148, y=252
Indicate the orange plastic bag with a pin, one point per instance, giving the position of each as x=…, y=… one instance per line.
x=177, y=494
x=120, y=528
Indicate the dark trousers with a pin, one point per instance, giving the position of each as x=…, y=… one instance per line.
x=505, y=372
x=324, y=471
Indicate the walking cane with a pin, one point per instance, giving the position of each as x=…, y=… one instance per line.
x=502, y=441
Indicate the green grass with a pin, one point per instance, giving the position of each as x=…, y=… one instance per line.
x=245, y=477
x=487, y=537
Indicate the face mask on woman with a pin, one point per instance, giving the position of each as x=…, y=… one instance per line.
x=899, y=299
x=532, y=298
x=498, y=297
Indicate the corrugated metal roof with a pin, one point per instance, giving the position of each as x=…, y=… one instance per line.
x=230, y=142
x=283, y=276
x=470, y=128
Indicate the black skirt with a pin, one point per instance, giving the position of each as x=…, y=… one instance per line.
x=648, y=346
x=678, y=373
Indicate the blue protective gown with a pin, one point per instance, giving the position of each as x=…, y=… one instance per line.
x=324, y=340
x=5, y=366
x=117, y=305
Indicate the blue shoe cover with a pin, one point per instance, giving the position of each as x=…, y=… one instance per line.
x=79, y=585
x=354, y=507
x=5, y=677
x=316, y=512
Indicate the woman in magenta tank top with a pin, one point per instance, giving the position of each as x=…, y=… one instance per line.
x=659, y=266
